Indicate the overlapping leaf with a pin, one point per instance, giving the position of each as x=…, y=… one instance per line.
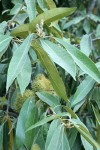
x=60, y=56
x=85, y=63
x=18, y=60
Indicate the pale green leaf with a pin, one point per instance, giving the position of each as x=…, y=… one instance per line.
x=73, y=22
x=1, y=136
x=86, y=44
x=18, y=60
x=20, y=128
x=86, y=144
x=60, y=56
x=31, y=9
x=55, y=123
x=84, y=132
x=82, y=90
x=32, y=118
x=45, y=120
x=24, y=76
x=4, y=42
x=85, y=63
x=59, y=140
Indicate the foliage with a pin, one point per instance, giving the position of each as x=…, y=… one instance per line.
x=49, y=75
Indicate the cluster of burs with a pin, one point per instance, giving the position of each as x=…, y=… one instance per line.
x=39, y=84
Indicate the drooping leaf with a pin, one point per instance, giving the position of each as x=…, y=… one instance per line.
x=1, y=136
x=51, y=100
x=86, y=44
x=60, y=57
x=59, y=140
x=51, y=70
x=24, y=76
x=73, y=21
x=82, y=90
x=20, y=128
x=17, y=61
x=45, y=120
x=4, y=42
x=86, y=144
x=55, y=123
x=48, y=17
x=32, y=118
x=31, y=9
x=85, y=133
x=85, y=63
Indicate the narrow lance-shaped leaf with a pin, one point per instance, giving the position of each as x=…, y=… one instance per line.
x=86, y=144
x=85, y=133
x=51, y=69
x=20, y=128
x=1, y=136
x=48, y=17
x=18, y=60
x=58, y=140
x=86, y=44
x=25, y=75
x=60, y=56
x=85, y=63
x=31, y=9
x=45, y=120
x=53, y=126
x=82, y=90
x=4, y=42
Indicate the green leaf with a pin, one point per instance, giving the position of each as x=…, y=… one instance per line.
x=4, y=42
x=59, y=140
x=20, y=128
x=32, y=118
x=45, y=120
x=3, y=26
x=97, y=114
x=84, y=132
x=86, y=44
x=41, y=4
x=17, y=61
x=53, y=126
x=72, y=22
x=60, y=56
x=31, y=9
x=51, y=70
x=82, y=90
x=15, y=9
x=85, y=63
x=24, y=76
x=86, y=144
x=48, y=17
x=51, y=100
x=1, y=137
x=50, y=4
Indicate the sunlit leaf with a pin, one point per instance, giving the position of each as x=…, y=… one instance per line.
x=85, y=63
x=31, y=9
x=60, y=56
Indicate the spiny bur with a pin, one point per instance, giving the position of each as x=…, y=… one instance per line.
x=41, y=83
x=21, y=99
